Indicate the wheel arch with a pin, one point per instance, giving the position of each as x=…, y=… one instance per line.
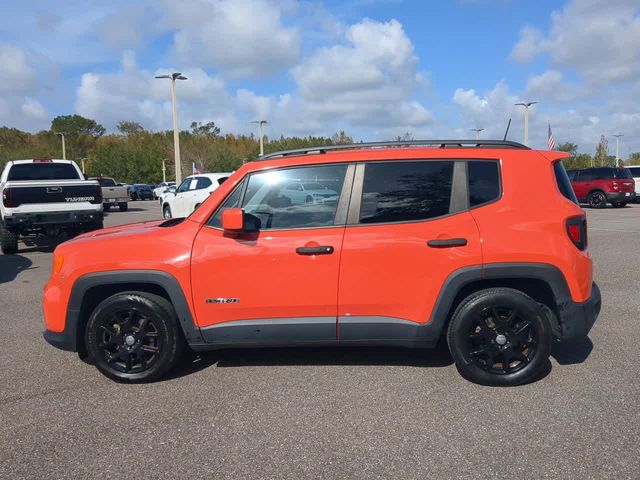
x=544, y=283
x=89, y=290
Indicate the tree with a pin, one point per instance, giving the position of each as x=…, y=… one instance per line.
x=634, y=159
x=568, y=147
x=602, y=152
x=406, y=137
x=207, y=130
x=75, y=125
x=341, y=138
x=129, y=128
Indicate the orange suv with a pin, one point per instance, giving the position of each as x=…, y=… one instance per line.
x=398, y=244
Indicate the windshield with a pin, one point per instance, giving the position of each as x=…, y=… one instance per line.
x=42, y=171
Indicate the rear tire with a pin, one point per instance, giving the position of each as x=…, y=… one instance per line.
x=123, y=207
x=134, y=337
x=8, y=241
x=499, y=336
x=597, y=199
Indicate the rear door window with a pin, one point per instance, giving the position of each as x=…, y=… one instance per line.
x=564, y=184
x=203, y=182
x=405, y=191
x=484, y=182
x=620, y=173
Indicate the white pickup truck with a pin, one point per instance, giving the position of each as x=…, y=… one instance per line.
x=46, y=197
x=112, y=194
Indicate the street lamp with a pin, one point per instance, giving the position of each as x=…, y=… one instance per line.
x=477, y=130
x=261, y=123
x=618, y=135
x=526, y=106
x=176, y=137
x=64, y=151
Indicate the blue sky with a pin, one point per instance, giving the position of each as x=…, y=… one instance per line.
x=375, y=68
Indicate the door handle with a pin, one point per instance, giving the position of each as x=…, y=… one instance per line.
x=324, y=250
x=446, y=243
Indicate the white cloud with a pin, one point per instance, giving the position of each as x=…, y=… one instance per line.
x=490, y=110
x=17, y=76
x=134, y=94
x=237, y=37
x=33, y=109
x=551, y=86
x=598, y=38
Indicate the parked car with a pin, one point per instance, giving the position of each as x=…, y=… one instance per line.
x=112, y=193
x=167, y=191
x=308, y=192
x=601, y=185
x=140, y=191
x=635, y=173
x=421, y=243
x=47, y=197
x=191, y=193
x=161, y=188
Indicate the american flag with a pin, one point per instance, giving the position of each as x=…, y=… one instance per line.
x=550, y=141
x=196, y=170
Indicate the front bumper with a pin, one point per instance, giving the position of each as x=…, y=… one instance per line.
x=621, y=197
x=576, y=319
x=61, y=340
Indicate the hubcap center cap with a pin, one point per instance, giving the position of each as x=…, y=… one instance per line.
x=129, y=340
x=501, y=339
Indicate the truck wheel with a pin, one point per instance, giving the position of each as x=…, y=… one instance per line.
x=94, y=226
x=123, y=207
x=166, y=212
x=597, y=199
x=134, y=337
x=8, y=241
x=499, y=336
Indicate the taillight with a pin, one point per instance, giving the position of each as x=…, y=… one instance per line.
x=577, y=231
x=6, y=198
x=97, y=196
x=614, y=184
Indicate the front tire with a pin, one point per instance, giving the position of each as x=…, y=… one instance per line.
x=8, y=241
x=133, y=337
x=597, y=199
x=166, y=212
x=499, y=337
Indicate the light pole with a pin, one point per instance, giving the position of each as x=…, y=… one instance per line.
x=176, y=133
x=618, y=135
x=526, y=106
x=261, y=123
x=82, y=160
x=64, y=151
x=477, y=130
x=164, y=172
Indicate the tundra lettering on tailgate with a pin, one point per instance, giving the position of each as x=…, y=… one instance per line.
x=80, y=199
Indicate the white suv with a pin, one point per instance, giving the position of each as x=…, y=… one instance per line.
x=191, y=193
x=635, y=173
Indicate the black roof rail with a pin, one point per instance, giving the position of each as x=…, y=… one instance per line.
x=407, y=143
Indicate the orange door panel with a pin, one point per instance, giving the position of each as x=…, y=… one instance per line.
x=266, y=274
x=389, y=270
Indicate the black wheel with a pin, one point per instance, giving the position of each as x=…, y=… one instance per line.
x=94, y=226
x=308, y=199
x=197, y=205
x=619, y=204
x=107, y=207
x=8, y=241
x=166, y=212
x=133, y=337
x=123, y=207
x=597, y=199
x=134, y=196
x=499, y=336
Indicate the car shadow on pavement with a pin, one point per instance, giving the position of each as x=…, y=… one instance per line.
x=571, y=353
x=41, y=244
x=294, y=356
x=11, y=266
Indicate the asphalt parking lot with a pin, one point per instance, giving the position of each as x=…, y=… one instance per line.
x=325, y=413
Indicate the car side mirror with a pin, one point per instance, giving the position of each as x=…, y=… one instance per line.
x=235, y=221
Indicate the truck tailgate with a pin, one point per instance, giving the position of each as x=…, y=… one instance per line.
x=18, y=193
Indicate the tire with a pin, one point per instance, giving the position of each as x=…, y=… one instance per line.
x=134, y=337
x=106, y=206
x=123, y=207
x=8, y=241
x=619, y=204
x=500, y=326
x=196, y=206
x=166, y=212
x=597, y=199
x=308, y=199
x=94, y=226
